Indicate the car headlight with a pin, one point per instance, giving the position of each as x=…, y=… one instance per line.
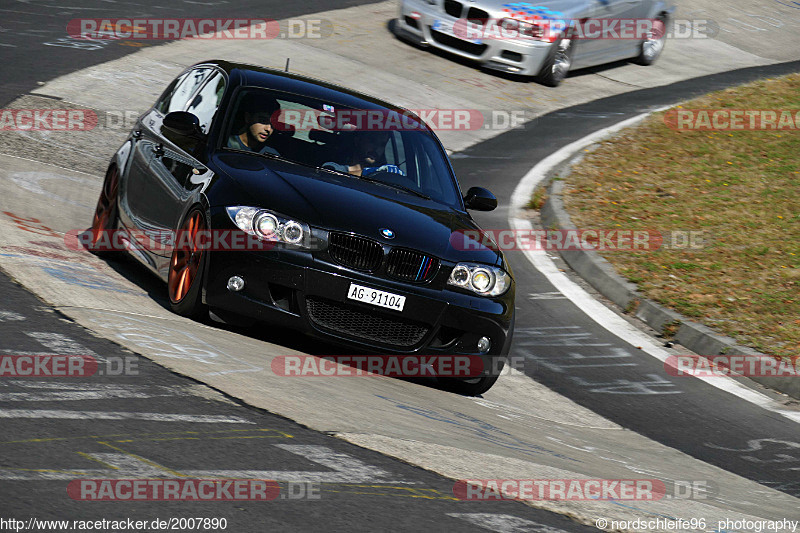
x=293, y=232
x=267, y=226
x=270, y=226
x=546, y=30
x=243, y=217
x=480, y=279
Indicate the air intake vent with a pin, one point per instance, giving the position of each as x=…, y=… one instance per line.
x=364, y=326
x=459, y=44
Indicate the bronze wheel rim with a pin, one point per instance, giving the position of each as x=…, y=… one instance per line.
x=105, y=206
x=186, y=257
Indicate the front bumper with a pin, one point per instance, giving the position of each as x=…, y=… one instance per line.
x=516, y=56
x=301, y=291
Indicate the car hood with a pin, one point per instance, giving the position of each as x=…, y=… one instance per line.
x=341, y=203
x=569, y=8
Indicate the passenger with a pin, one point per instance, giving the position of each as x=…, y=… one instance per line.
x=368, y=155
x=257, y=111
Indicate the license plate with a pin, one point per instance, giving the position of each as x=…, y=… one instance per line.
x=446, y=26
x=443, y=26
x=376, y=297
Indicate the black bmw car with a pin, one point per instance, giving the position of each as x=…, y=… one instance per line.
x=279, y=198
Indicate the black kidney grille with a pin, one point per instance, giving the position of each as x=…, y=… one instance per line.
x=409, y=265
x=362, y=325
x=477, y=16
x=452, y=8
x=355, y=252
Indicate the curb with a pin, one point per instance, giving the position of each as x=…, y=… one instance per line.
x=601, y=275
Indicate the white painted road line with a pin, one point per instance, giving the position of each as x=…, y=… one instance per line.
x=547, y=296
x=61, y=344
x=56, y=385
x=71, y=396
x=24, y=352
x=346, y=469
x=594, y=309
x=131, y=465
x=504, y=523
x=120, y=466
x=59, y=391
x=10, y=316
x=100, y=415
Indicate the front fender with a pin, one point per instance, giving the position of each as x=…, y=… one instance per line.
x=122, y=156
x=660, y=8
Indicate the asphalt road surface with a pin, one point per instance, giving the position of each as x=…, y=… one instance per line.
x=168, y=426
x=133, y=419
x=34, y=37
x=139, y=418
x=570, y=353
x=140, y=421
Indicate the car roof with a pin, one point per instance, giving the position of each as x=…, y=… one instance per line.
x=256, y=76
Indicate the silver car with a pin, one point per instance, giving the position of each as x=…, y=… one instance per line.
x=545, y=39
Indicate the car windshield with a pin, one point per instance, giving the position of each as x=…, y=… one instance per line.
x=376, y=145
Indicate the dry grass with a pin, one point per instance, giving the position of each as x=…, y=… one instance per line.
x=741, y=188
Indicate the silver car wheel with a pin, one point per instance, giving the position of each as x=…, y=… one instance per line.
x=562, y=61
x=652, y=47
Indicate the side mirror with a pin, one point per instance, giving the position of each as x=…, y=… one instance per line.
x=182, y=123
x=480, y=199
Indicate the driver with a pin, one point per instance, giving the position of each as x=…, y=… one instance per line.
x=368, y=155
x=258, y=111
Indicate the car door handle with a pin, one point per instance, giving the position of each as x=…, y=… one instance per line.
x=159, y=150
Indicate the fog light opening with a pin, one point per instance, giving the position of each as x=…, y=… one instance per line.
x=235, y=284
x=484, y=345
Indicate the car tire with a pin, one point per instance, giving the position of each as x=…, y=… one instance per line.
x=650, y=49
x=106, y=213
x=474, y=386
x=186, y=268
x=556, y=66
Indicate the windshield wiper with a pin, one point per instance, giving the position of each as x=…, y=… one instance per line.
x=392, y=185
x=402, y=188
x=379, y=182
x=341, y=173
x=270, y=155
